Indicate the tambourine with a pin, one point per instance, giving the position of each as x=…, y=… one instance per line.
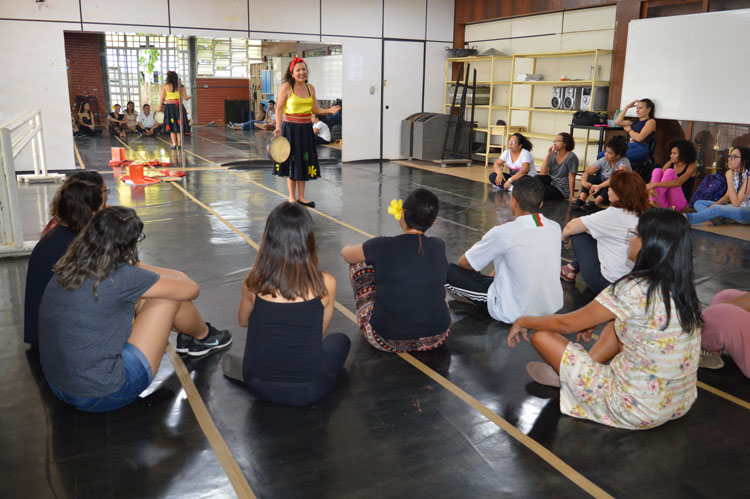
x=278, y=149
x=159, y=117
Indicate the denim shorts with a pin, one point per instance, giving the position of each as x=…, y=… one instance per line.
x=137, y=378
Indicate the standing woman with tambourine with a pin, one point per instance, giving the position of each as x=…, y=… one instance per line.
x=296, y=104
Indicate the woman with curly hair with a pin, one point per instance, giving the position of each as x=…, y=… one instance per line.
x=672, y=184
x=595, y=179
x=105, y=317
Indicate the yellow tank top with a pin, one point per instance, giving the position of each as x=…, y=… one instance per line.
x=171, y=95
x=298, y=105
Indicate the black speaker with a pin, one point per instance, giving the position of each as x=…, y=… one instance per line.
x=557, y=97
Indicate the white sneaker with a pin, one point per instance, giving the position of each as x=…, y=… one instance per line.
x=710, y=360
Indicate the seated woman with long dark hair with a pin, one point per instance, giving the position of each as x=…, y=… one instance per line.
x=87, y=121
x=105, y=317
x=651, y=335
x=558, y=172
x=72, y=207
x=287, y=305
x=672, y=184
x=600, y=241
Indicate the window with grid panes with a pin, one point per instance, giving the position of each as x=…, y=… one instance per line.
x=125, y=74
x=226, y=57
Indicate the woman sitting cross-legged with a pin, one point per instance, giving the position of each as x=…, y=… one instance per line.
x=558, y=172
x=672, y=184
x=651, y=335
x=600, y=241
x=287, y=305
x=595, y=179
x=517, y=157
x=735, y=203
x=105, y=318
x=399, y=282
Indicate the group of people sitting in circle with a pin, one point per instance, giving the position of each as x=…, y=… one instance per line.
x=101, y=317
x=670, y=186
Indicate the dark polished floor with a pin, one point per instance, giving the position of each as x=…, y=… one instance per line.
x=388, y=429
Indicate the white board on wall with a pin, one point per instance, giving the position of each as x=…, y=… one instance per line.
x=693, y=67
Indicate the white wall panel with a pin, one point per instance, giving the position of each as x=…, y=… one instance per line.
x=488, y=31
x=119, y=28
x=440, y=20
x=361, y=113
x=589, y=19
x=271, y=35
x=352, y=17
x=325, y=73
x=40, y=80
x=434, y=77
x=216, y=14
x=404, y=19
x=542, y=24
x=285, y=17
x=59, y=10
x=150, y=12
x=209, y=32
x=587, y=40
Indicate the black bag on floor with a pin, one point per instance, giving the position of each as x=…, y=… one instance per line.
x=589, y=118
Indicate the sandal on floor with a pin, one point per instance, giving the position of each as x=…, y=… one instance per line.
x=568, y=273
x=542, y=373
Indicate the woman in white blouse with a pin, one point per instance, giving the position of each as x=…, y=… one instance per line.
x=517, y=157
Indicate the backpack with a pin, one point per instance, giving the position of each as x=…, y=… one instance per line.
x=711, y=188
x=589, y=118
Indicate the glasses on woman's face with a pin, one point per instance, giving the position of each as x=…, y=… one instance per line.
x=631, y=234
x=105, y=190
x=735, y=156
x=141, y=237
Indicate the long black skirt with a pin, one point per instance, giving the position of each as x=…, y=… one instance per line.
x=171, y=119
x=303, y=159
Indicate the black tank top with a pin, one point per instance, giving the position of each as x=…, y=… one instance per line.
x=284, y=341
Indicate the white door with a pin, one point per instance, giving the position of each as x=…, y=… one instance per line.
x=403, y=68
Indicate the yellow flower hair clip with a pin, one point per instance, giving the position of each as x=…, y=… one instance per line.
x=396, y=208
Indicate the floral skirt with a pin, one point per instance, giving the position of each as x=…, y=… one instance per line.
x=303, y=158
x=171, y=118
x=362, y=277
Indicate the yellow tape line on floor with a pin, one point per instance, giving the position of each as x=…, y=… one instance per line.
x=554, y=461
x=218, y=444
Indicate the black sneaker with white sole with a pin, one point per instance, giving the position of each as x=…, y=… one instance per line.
x=215, y=340
x=183, y=343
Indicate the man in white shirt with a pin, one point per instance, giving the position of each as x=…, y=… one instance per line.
x=270, y=122
x=526, y=257
x=146, y=124
x=321, y=131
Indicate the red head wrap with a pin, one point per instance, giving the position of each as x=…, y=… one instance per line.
x=294, y=62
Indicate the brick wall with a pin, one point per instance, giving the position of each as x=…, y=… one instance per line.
x=210, y=94
x=84, y=67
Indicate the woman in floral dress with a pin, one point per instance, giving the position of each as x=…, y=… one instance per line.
x=654, y=348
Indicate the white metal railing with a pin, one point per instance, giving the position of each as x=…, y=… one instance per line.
x=15, y=135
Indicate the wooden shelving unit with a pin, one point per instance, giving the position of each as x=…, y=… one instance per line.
x=505, y=112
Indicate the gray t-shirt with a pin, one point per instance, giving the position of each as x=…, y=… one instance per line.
x=606, y=170
x=81, y=338
x=558, y=172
